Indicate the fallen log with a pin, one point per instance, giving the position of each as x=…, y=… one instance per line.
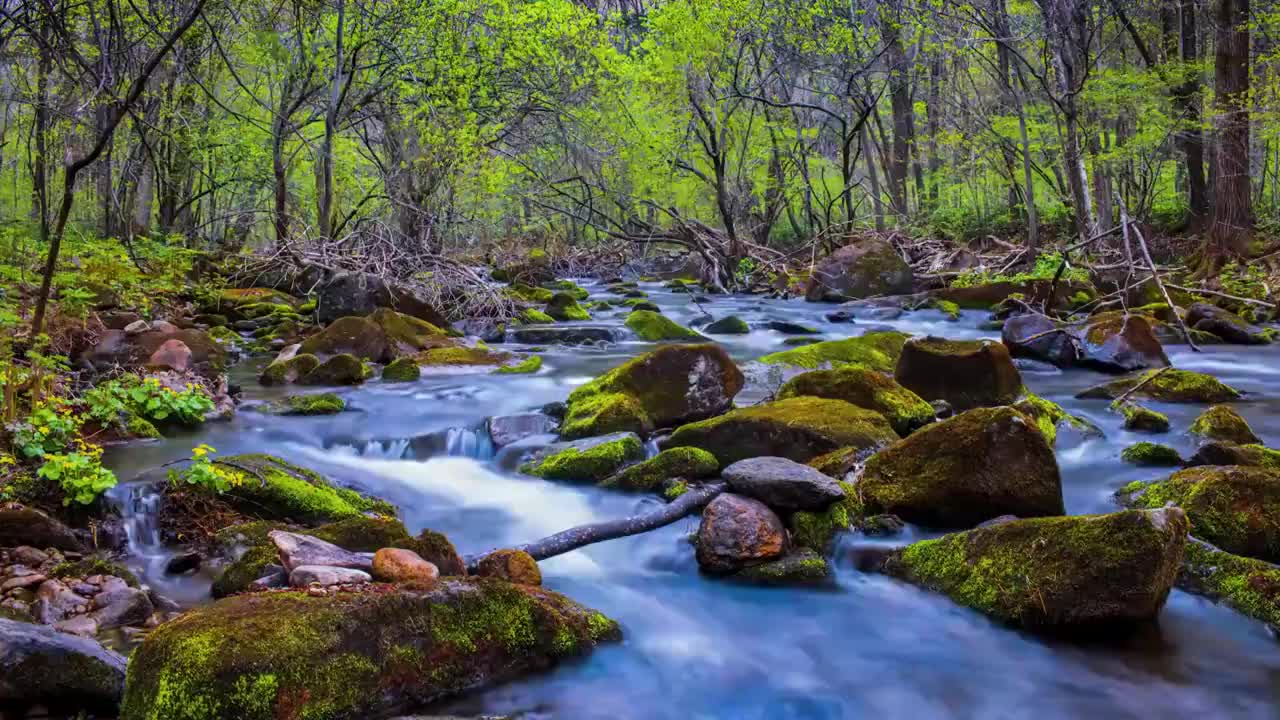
x=567, y=540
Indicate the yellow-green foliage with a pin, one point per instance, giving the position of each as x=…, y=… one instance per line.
x=590, y=465
x=682, y=462
x=527, y=366
x=874, y=351
x=654, y=327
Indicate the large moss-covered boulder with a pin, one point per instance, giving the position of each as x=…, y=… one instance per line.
x=590, y=460
x=863, y=269
x=1118, y=342
x=563, y=306
x=1224, y=424
x=976, y=466
x=685, y=463
x=965, y=373
x=1225, y=453
x=1166, y=385
x=870, y=389
x=1049, y=417
x=352, y=656
x=671, y=385
x=343, y=369
x=1226, y=325
x=1249, y=586
x=1091, y=571
x=798, y=428
x=656, y=327
x=356, y=336
x=1235, y=508
x=874, y=351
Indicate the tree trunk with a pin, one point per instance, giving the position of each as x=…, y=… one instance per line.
x=900, y=102
x=1232, y=209
x=324, y=163
x=1178, y=21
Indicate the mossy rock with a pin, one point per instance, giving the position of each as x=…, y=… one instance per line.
x=874, y=351
x=973, y=467
x=587, y=460
x=1151, y=454
x=797, y=428
x=533, y=316
x=401, y=370
x=357, y=534
x=528, y=293
x=527, y=366
x=668, y=386
x=320, y=404
x=1141, y=419
x=269, y=488
x=655, y=327
x=406, y=334
x=573, y=289
x=141, y=428
x=232, y=301
x=1249, y=586
x=947, y=307
x=1224, y=453
x=1166, y=385
x=356, y=336
x=863, y=269
x=1080, y=572
x=436, y=549
x=515, y=566
x=683, y=462
x=89, y=566
x=562, y=306
x=344, y=369
x=290, y=370
x=1118, y=342
x=1225, y=425
x=817, y=529
x=731, y=325
x=965, y=373
x=1235, y=508
x=1049, y=416
x=224, y=334
x=460, y=355
x=352, y=655
x=869, y=389
x=985, y=296
x=798, y=567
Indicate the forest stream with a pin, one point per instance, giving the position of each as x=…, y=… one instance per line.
x=865, y=646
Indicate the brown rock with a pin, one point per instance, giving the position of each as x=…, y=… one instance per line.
x=965, y=373
x=172, y=354
x=869, y=267
x=737, y=532
x=516, y=566
x=397, y=565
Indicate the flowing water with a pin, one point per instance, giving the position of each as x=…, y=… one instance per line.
x=868, y=647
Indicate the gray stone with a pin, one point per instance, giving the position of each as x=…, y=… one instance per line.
x=783, y=484
x=55, y=601
x=40, y=664
x=306, y=575
x=297, y=550
x=551, y=335
x=506, y=429
x=129, y=607
x=27, y=526
x=29, y=556
x=82, y=625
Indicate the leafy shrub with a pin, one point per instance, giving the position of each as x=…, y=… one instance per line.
x=130, y=396
x=49, y=429
x=203, y=472
x=80, y=474
x=1046, y=268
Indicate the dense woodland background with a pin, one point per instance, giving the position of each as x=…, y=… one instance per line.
x=741, y=128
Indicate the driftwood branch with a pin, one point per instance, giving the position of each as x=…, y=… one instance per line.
x=1125, y=395
x=573, y=538
x=1155, y=274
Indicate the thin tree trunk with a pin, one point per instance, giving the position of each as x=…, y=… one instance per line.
x=1232, y=209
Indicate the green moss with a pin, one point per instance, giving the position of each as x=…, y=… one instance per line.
x=563, y=306
x=869, y=389
x=874, y=351
x=283, y=372
x=532, y=316
x=1222, y=423
x=436, y=549
x=1050, y=572
x=675, y=490
x=682, y=462
x=1048, y=416
x=731, y=325
x=1250, y=586
x=224, y=335
x=401, y=370
x=604, y=413
x=1235, y=508
x=93, y=566
x=568, y=286
x=592, y=464
x=460, y=355
x=798, y=428
x=320, y=404
x=1220, y=453
x=235, y=298
x=341, y=369
x=528, y=293
x=1167, y=385
x=799, y=567
x=1149, y=453
x=1141, y=419
x=654, y=327
x=527, y=366
x=140, y=427
x=816, y=529
x=948, y=308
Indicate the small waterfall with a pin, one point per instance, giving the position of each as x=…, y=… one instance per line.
x=472, y=443
x=140, y=510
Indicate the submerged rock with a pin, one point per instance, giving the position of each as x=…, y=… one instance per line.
x=506, y=429
x=731, y=325
x=965, y=373
x=1235, y=508
x=961, y=471
x=874, y=351
x=737, y=532
x=682, y=462
x=866, y=268
x=39, y=665
x=1085, y=572
x=350, y=656
x=1225, y=425
x=1166, y=385
x=671, y=385
x=799, y=428
x=590, y=460
x=801, y=566
x=865, y=388
x=782, y=484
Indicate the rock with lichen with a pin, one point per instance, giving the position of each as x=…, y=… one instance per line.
x=905, y=410
x=344, y=369
x=590, y=460
x=797, y=428
x=1141, y=419
x=656, y=327
x=1166, y=385
x=1247, y=585
x=874, y=351
x=956, y=473
x=965, y=373
x=1151, y=454
x=347, y=656
x=671, y=385
x=1081, y=572
x=686, y=463
x=1118, y=342
x=1225, y=453
x=800, y=566
x=515, y=566
x=1223, y=424
x=1235, y=508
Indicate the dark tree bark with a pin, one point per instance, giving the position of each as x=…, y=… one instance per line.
x=1232, y=208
